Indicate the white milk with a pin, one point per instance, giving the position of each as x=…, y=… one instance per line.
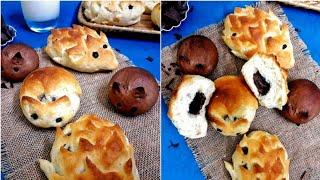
x=39, y=11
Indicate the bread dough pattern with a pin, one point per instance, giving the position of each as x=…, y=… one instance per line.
x=115, y=12
x=50, y=97
x=259, y=155
x=90, y=148
x=82, y=49
x=249, y=30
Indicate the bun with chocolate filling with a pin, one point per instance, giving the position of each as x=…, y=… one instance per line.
x=303, y=101
x=187, y=106
x=266, y=80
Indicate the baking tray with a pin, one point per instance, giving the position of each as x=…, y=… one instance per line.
x=145, y=25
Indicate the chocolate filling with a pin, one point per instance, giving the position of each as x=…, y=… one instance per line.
x=262, y=85
x=197, y=103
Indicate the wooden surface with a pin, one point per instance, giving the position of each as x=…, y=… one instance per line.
x=145, y=25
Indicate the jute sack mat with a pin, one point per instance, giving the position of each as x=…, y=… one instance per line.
x=302, y=142
x=22, y=144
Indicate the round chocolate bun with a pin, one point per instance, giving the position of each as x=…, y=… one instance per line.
x=197, y=55
x=303, y=101
x=17, y=61
x=133, y=91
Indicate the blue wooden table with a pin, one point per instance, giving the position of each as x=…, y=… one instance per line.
x=177, y=159
x=136, y=47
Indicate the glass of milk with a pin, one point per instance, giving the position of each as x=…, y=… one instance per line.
x=41, y=16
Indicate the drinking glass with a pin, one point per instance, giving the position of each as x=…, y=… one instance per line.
x=41, y=16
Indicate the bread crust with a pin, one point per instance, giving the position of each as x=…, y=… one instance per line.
x=114, y=12
x=259, y=155
x=50, y=93
x=188, y=124
x=232, y=106
x=82, y=49
x=90, y=148
x=250, y=30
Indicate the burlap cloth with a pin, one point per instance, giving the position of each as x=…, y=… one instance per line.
x=302, y=142
x=23, y=144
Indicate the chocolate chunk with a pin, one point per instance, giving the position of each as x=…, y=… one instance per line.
x=303, y=174
x=245, y=166
x=234, y=34
x=262, y=85
x=284, y=46
x=197, y=103
x=172, y=13
x=245, y=150
x=58, y=119
x=34, y=116
x=149, y=58
x=42, y=97
x=3, y=85
x=95, y=54
x=174, y=145
x=130, y=6
x=105, y=46
x=219, y=130
x=177, y=36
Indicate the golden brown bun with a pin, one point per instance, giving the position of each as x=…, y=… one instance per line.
x=259, y=155
x=82, y=49
x=250, y=30
x=90, y=148
x=232, y=107
x=50, y=97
